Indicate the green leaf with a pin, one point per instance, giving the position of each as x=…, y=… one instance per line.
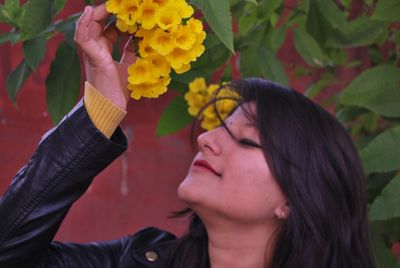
x=7, y=37
x=259, y=61
x=268, y=7
x=11, y=4
x=37, y=17
x=219, y=18
x=258, y=36
x=180, y=82
x=11, y=12
x=89, y=2
x=214, y=56
x=275, y=38
x=382, y=251
x=247, y=19
x=67, y=27
x=349, y=113
x=252, y=1
x=316, y=24
x=317, y=87
x=5, y=17
x=16, y=79
x=271, y=67
x=382, y=154
x=386, y=205
x=360, y=32
x=376, y=182
x=387, y=10
x=34, y=51
x=308, y=48
x=249, y=62
x=376, y=89
x=59, y=5
x=63, y=82
x=333, y=14
x=174, y=117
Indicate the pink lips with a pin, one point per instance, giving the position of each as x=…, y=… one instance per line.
x=204, y=164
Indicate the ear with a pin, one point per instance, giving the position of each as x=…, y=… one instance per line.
x=282, y=211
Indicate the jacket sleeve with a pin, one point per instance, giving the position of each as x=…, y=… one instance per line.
x=64, y=164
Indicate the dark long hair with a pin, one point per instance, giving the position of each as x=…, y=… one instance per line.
x=317, y=167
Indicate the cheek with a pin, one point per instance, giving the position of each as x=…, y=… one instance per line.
x=251, y=195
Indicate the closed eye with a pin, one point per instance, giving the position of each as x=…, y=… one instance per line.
x=248, y=142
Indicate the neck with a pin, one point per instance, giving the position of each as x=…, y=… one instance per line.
x=241, y=246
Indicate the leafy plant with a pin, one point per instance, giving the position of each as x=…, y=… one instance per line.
x=332, y=37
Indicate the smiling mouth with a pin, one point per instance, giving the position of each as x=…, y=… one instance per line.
x=204, y=164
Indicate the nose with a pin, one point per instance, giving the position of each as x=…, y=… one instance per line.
x=210, y=142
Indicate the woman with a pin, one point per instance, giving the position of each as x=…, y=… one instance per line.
x=279, y=184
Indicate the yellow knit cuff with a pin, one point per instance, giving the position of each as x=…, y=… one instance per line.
x=105, y=115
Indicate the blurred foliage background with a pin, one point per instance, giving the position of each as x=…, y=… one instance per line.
x=361, y=37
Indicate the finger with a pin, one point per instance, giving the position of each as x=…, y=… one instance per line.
x=82, y=26
x=129, y=56
x=111, y=33
x=100, y=13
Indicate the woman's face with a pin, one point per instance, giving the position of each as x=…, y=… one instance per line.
x=231, y=178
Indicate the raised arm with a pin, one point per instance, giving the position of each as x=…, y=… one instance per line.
x=67, y=159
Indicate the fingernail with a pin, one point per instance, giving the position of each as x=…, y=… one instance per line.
x=86, y=10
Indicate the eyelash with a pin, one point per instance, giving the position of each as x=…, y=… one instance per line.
x=248, y=142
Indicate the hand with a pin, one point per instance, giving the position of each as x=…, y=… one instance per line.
x=109, y=77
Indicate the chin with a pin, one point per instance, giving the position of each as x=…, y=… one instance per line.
x=187, y=192
x=183, y=191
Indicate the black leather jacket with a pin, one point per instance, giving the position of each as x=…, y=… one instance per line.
x=67, y=159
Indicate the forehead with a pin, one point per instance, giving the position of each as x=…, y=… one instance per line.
x=243, y=114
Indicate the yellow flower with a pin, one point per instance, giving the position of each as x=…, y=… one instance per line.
x=145, y=50
x=198, y=84
x=129, y=11
x=195, y=25
x=160, y=65
x=209, y=123
x=162, y=42
x=167, y=18
x=113, y=6
x=159, y=88
x=137, y=91
x=141, y=72
x=227, y=102
x=211, y=89
x=183, y=69
x=223, y=107
x=148, y=11
x=184, y=38
x=197, y=96
x=198, y=48
x=195, y=102
x=123, y=27
x=149, y=90
x=146, y=34
x=178, y=57
x=161, y=3
x=183, y=9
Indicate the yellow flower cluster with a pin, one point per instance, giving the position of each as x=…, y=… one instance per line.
x=168, y=38
x=200, y=94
